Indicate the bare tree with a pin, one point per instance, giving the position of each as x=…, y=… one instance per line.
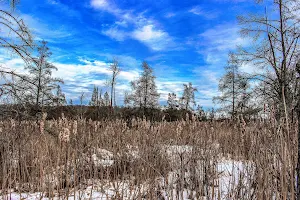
x=275, y=46
x=15, y=37
x=297, y=108
x=114, y=67
x=188, y=96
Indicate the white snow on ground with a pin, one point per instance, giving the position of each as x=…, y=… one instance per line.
x=103, y=157
x=231, y=174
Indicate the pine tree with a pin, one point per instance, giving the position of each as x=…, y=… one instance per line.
x=106, y=99
x=233, y=86
x=94, y=98
x=60, y=97
x=201, y=113
x=41, y=93
x=188, y=96
x=172, y=101
x=144, y=92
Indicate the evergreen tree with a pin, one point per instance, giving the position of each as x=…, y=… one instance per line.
x=95, y=96
x=201, y=113
x=144, y=92
x=41, y=93
x=188, y=96
x=172, y=101
x=106, y=99
x=60, y=97
x=234, y=88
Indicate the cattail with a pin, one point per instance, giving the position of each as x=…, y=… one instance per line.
x=42, y=127
x=42, y=123
x=95, y=125
x=187, y=117
x=13, y=123
x=179, y=129
x=64, y=135
x=44, y=116
x=75, y=127
x=194, y=118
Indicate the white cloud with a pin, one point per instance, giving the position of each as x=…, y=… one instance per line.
x=147, y=33
x=144, y=29
x=100, y=4
x=170, y=15
x=155, y=39
x=78, y=77
x=197, y=10
x=223, y=37
x=115, y=33
x=166, y=86
x=43, y=31
x=90, y=69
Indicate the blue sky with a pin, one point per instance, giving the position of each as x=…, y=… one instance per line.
x=183, y=41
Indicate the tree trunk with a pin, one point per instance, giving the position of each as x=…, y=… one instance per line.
x=298, y=153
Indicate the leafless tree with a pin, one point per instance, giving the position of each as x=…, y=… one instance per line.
x=275, y=38
x=115, y=69
x=14, y=37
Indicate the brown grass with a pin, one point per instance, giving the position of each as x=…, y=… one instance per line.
x=60, y=158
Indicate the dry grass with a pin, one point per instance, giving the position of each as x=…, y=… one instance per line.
x=144, y=160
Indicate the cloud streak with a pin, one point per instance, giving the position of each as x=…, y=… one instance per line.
x=144, y=30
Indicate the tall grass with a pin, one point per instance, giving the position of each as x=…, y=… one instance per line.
x=144, y=160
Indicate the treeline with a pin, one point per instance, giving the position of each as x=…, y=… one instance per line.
x=102, y=113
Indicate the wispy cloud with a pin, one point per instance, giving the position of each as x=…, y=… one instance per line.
x=215, y=43
x=144, y=30
x=154, y=38
x=102, y=4
x=170, y=15
x=223, y=37
x=115, y=34
x=208, y=14
x=43, y=31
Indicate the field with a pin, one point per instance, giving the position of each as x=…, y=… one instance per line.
x=139, y=159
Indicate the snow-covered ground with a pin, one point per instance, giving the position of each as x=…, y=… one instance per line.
x=230, y=176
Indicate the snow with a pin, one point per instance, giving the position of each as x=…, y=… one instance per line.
x=230, y=173
x=103, y=158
